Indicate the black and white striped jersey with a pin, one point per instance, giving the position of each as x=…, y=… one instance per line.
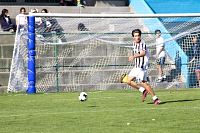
x=141, y=62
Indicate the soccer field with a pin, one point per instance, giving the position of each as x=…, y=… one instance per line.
x=104, y=112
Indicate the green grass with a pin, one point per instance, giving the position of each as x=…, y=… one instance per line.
x=104, y=112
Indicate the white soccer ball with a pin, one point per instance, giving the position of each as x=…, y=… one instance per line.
x=82, y=97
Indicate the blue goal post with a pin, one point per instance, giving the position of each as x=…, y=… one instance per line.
x=31, y=56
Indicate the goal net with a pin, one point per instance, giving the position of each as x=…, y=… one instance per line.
x=76, y=52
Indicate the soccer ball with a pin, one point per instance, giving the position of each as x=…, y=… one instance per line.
x=82, y=97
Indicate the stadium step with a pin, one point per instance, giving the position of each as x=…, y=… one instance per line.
x=82, y=87
x=105, y=9
x=4, y=76
x=168, y=85
x=7, y=38
x=111, y=3
x=3, y=89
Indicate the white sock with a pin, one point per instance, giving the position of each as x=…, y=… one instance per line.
x=154, y=97
x=141, y=89
x=164, y=76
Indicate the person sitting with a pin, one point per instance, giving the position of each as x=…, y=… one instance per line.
x=38, y=20
x=21, y=19
x=6, y=23
x=67, y=3
x=196, y=57
x=46, y=24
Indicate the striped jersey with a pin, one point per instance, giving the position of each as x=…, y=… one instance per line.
x=140, y=62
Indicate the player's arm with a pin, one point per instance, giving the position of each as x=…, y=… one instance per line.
x=141, y=54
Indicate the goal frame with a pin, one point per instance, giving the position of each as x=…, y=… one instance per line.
x=31, y=36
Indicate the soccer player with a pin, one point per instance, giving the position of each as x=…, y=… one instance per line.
x=137, y=78
x=160, y=55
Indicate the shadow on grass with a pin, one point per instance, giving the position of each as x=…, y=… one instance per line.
x=93, y=106
x=176, y=101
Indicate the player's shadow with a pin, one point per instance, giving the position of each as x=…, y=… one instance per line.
x=176, y=101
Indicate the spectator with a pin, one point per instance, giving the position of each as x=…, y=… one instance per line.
x=81, y=27
x=178, y=63
x=38, y=20
x=197, y=72
x=6, y=23
x=196, y=57
x=46, y=21
x=195, y=47
x=194, y=51
x=21, y=20
x=50, y=29
x=34, y=10
x=44, y=11
x=67, y=3
x=160, y=55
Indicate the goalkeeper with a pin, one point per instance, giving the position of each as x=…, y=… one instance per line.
x=137, y=78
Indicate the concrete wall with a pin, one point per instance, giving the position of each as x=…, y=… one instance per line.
x=87, y=3
x=14, y=10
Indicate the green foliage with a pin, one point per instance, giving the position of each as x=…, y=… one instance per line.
x=103, y=112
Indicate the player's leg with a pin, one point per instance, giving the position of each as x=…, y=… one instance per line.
x=136, y=75
x=130, y=80
x=143, y=78
x=162, y=63
x=152, y=93
x=132, y=77
x=159, y=70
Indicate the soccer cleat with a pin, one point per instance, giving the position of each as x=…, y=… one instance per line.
x=124, y=78
x=144, y=95
x=156, y=102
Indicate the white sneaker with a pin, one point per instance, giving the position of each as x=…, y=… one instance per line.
x=160, y=79
x=164, y=76
x=80, y=5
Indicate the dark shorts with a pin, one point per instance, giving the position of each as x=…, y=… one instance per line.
x=161, y=61
x=197, y=68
